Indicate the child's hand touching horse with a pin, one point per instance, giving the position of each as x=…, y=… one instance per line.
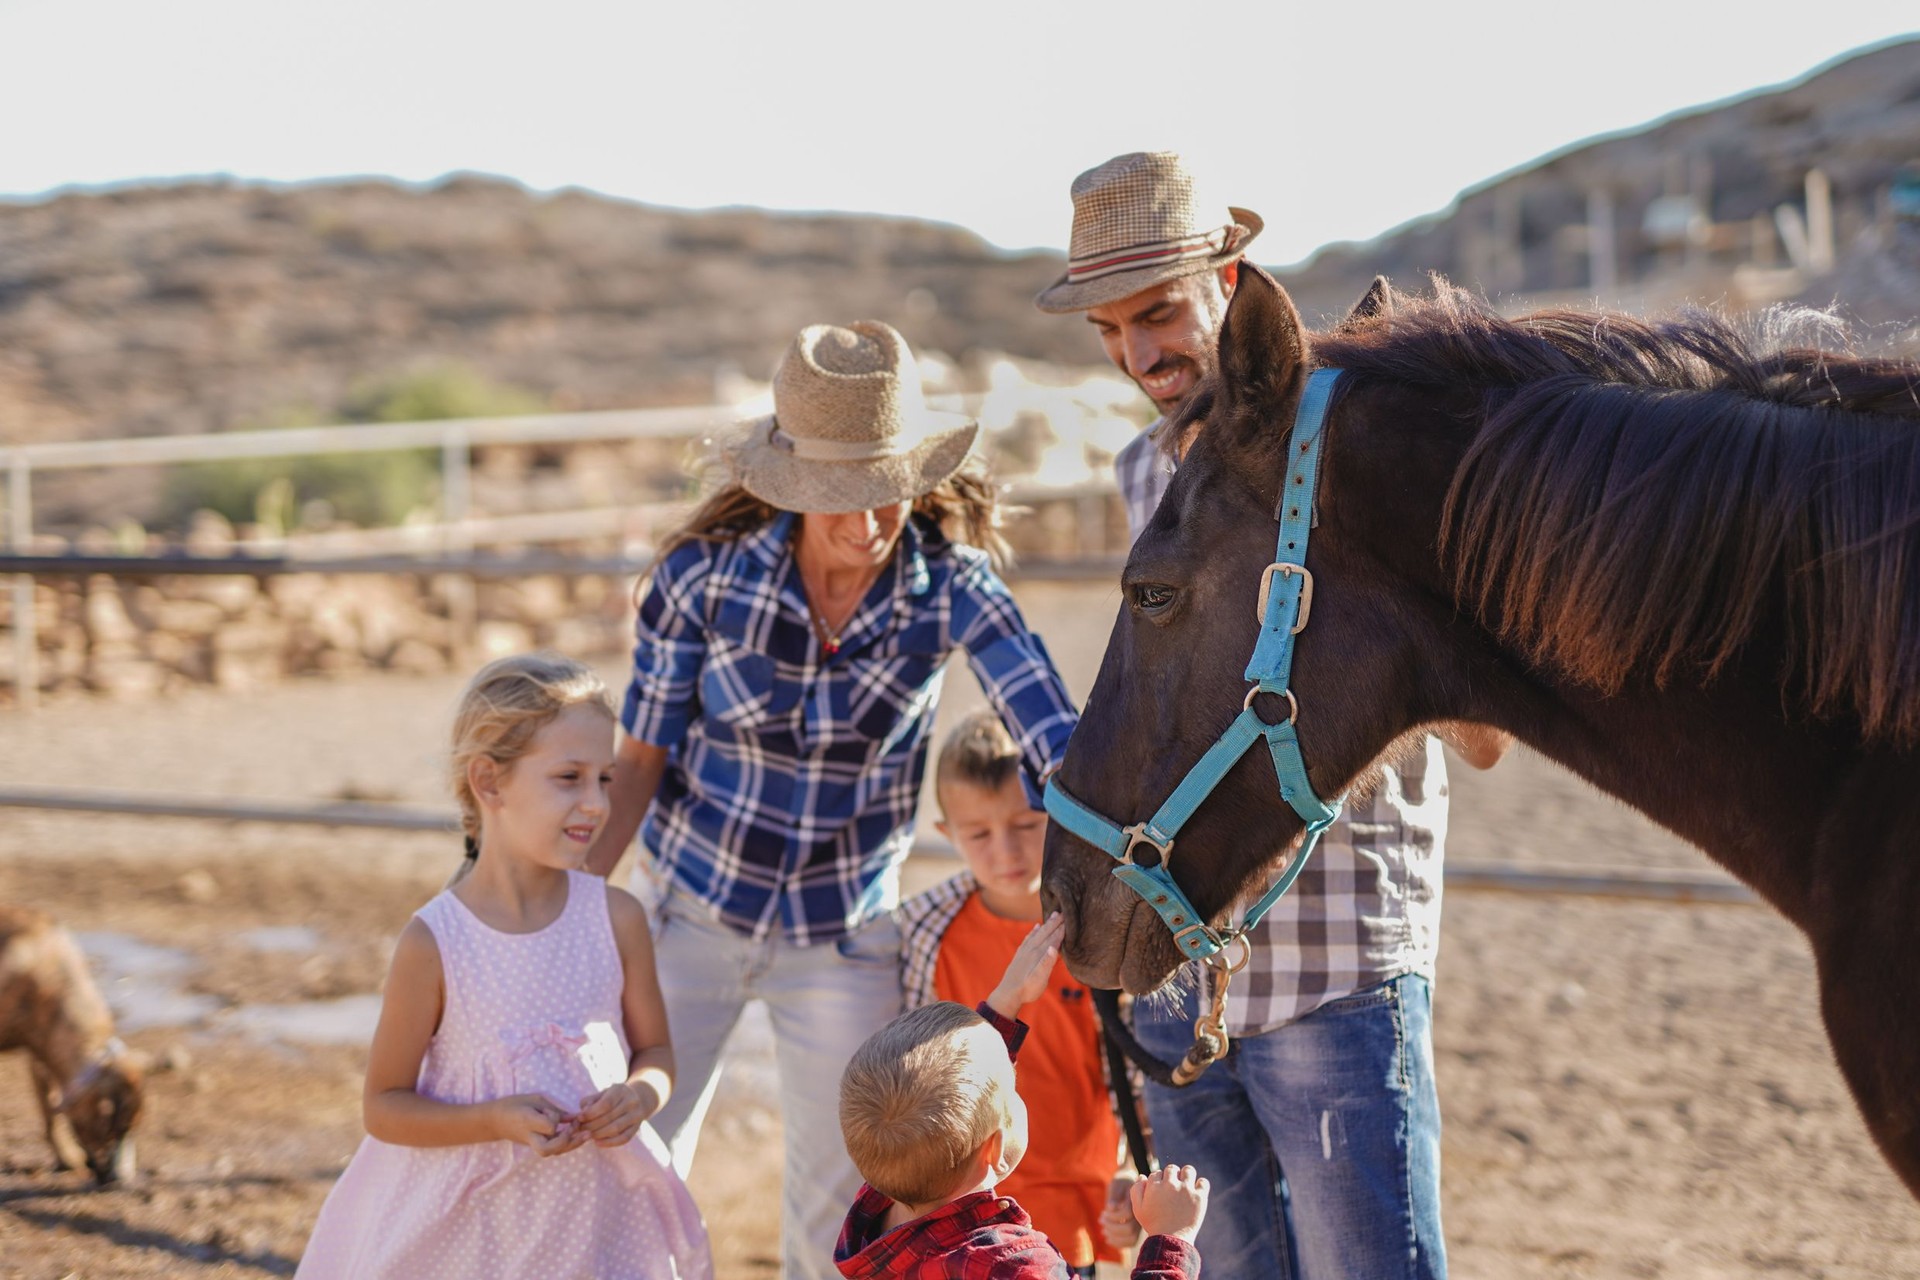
x=1031, y=967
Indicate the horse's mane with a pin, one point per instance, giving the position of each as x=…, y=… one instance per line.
x=1642, y=496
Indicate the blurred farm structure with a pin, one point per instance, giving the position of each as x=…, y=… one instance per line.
x=524, y=537
x=1802, y=194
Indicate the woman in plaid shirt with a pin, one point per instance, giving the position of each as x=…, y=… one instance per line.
x=788, y=663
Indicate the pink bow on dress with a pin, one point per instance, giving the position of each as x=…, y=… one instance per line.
x=522, y=1041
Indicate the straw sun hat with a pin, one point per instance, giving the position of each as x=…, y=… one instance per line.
x=850, y=430
x=1137, y=222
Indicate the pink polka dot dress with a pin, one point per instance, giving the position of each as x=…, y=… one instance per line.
x=525, y=1013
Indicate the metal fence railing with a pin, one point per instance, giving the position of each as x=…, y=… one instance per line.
x=455, y=438
x=1583, y=881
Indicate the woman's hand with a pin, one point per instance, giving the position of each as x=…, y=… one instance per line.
x=1031, y=967
x=538, y=1122
x=615, y=1114
x=1480, y=745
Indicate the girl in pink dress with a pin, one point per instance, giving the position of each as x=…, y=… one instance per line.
x=523, y=1042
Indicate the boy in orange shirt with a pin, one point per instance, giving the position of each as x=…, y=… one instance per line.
x=957, y=941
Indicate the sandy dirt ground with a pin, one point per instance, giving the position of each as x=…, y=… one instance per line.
x=1631, y=1089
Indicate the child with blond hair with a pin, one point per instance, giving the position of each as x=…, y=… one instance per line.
x=934, y=1123
x=958, y=940
x=522, y=1041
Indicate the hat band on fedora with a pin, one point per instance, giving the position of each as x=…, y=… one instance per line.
x=813, y=450
x=1134, y=257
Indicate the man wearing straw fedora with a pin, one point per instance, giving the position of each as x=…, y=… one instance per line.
x=1320, y=1129
x=786, y=671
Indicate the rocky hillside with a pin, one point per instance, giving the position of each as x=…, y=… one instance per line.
x=209, y=306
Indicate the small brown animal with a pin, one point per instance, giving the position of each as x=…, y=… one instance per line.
x=82, y=1074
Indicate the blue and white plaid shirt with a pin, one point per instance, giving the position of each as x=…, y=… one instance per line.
x=789, y=795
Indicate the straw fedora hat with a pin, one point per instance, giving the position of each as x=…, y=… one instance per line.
x=1137, y=223
x=850, y=430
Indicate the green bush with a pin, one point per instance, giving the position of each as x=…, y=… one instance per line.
x=365, y=489
x=434, y=394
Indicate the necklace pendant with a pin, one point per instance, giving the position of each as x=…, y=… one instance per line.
x=830, y=646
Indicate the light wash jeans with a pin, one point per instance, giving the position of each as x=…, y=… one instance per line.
x=1321, y=1139
x=824, y=1001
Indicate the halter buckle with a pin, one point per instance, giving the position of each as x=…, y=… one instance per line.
x=1205, y=931
x=1286, y=570
x=1137, y=835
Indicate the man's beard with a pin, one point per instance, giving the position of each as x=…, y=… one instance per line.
x=1168, y=364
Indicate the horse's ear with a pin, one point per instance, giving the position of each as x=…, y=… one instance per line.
x=1377, y=301
x=1262, y=345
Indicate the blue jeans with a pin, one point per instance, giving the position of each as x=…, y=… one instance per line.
x=824, y=1001
x=1321, y=1139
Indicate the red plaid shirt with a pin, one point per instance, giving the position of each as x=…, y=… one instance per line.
x=980, y=1236
x=977, y=1237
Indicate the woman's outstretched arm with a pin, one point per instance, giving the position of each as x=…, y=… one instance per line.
x=637, y=768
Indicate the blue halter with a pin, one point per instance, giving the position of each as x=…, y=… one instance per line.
x=1283, y=605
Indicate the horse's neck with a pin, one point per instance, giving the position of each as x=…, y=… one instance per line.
x=1716, y=768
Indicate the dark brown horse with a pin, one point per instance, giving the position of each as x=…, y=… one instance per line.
x=1685, y=567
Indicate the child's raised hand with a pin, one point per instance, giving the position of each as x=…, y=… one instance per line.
x=1117, y=1223
x=1031, y=966
x=1171, y=1201
x=613, y=1115
x=534, y=1120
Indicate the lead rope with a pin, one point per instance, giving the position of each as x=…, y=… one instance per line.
x=1210, y=1039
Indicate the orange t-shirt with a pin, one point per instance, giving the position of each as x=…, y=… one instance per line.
x=1073, y=1140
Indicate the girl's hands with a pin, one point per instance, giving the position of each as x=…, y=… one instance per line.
x=616, y=1113
x=538, y=1122
x=1031, y=966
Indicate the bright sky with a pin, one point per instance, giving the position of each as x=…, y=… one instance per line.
x=1334, y=121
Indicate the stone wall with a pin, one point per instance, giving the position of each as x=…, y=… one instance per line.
x=127, y=637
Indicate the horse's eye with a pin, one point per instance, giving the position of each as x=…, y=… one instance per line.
x=1151, y=597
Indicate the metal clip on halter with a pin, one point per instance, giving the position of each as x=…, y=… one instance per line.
x=1138, y=835
x=1293, y=703
x=1167, y=900
x=1210, y=1038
